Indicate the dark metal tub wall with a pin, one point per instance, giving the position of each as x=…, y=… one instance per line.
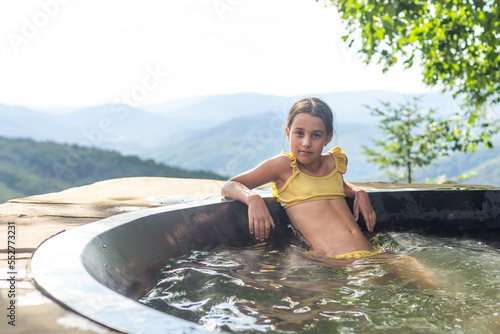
x=128, y=257
x=97, y=269
x=466, y=213
x=94, y=269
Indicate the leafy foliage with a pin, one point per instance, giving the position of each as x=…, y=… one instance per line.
x=457, y=40
x=28, y=167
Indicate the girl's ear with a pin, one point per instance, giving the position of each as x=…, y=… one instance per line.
x=328, y=138
x=287, y=131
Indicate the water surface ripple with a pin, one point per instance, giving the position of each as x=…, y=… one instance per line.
x=259, y=289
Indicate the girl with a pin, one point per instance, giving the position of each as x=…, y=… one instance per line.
x=311, y=188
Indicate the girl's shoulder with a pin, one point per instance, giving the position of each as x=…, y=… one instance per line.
x=282, y=160
x=280, y=166
x=269, y=170
x=274, y=164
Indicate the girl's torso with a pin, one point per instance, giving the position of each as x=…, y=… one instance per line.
x=327, y=224
x=301, y=183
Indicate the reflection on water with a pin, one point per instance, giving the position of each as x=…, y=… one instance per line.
x=278, y=290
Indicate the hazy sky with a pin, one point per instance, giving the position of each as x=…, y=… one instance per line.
x=75, y=53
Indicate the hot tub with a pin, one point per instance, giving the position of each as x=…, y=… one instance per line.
x=100, y=270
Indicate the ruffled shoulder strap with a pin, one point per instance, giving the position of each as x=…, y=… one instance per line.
x=340, y=159
x=275, y=192
x=295, y=170
x=293, y=160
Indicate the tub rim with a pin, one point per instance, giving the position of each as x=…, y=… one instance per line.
x=63, y=277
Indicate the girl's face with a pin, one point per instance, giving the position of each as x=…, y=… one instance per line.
x=307, y=137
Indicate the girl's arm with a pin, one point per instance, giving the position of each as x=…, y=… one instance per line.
x=361, y=204
x=239, y=188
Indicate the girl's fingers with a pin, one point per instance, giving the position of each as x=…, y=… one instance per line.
x=261, y=228
x=259, y=231
x=372, y=218
x=263, y=231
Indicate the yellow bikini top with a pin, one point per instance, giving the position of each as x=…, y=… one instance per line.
x=300, y=187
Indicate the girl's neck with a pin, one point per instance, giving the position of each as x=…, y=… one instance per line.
x=313, y=168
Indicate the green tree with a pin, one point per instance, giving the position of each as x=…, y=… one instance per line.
x=412, y=138
x=457, y=43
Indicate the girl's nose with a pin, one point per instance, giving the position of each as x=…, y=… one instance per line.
x=306, y=142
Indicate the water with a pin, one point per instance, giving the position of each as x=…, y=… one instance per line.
x=284, y=290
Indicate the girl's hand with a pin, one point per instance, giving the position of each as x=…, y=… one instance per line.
x=362, y=204
x=259, y=218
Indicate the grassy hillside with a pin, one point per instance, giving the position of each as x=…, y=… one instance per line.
x=28, y=167
x=485, y=162
x=487, y=173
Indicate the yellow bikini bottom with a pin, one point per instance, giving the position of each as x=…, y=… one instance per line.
x=363, y=254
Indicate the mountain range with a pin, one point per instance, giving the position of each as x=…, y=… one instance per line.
x=228, y=134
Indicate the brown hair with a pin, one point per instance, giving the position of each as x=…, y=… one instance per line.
x=314, y=107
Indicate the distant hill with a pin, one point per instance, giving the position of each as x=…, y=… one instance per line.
x=230, y=148
x=242, y=142
x=487, y=173
x=28, y=167
x=485, y=162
